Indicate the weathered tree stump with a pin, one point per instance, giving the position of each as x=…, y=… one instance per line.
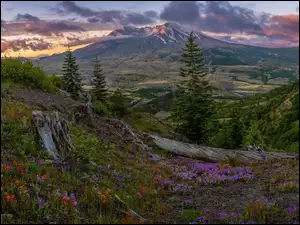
x=53, y=132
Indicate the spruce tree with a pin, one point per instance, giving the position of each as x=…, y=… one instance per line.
x=71, y=77
x=193, y=103
x=99, y=90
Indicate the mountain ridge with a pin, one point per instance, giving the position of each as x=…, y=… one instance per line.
x=154, y=52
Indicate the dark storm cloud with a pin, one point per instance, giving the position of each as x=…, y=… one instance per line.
x=223, y=17
x=151, y=14
x=181, y=11
x=93, y=20
x=138, y=19
x=69, y=6
x=105, y=16
x=26, y=17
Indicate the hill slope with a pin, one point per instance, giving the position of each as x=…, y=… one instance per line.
x=270, y=120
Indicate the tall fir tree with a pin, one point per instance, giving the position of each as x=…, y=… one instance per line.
x=193, y=106
x=99, y=90
x=71, y=77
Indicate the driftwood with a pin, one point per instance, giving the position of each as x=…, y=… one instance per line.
x=53, y=132
x=217, y=154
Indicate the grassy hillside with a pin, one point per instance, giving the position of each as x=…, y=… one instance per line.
x=162, y=188
x=270, y=120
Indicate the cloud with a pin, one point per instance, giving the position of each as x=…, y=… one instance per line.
x=151, y=14
x=232, y=21
x=4, y=45
x=105, y=16
x=283, y=27
x=34, y=44
x=3, y=21
x=74, y=41
x=224, y=17
x=214, y=16
x=138, y=19
x=46, y=28
x=93, y=20
x=181, y=11
x=69, y=6
x=26, y=17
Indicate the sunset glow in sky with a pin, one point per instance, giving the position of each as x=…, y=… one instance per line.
x=43, y=28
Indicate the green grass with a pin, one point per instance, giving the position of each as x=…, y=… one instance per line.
x=147, y=123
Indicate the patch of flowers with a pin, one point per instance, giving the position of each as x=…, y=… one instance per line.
x=212, y=173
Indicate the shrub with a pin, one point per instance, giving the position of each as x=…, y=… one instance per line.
x=27, y=74
x=101, y=109
x=56, y=80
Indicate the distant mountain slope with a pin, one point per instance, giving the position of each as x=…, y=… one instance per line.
x=157, y=50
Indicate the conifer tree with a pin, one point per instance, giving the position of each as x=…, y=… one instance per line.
x=71, y=77
x=99, y=90
x=193, y=103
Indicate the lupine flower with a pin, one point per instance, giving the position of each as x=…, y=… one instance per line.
x=292, y=209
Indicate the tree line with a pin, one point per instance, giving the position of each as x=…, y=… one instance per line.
x=72, y=81
x=193, y=103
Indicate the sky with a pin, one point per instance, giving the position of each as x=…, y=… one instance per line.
x=32, y=28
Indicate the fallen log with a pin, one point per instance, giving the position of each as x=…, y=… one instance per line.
x=217, y=154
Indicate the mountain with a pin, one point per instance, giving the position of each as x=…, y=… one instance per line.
x=154, y=52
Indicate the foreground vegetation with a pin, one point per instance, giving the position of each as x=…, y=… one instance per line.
x=36, y=189
x=84, y=186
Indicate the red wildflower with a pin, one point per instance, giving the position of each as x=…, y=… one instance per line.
x=71, y=203
x=107, y=191
x=25, y=191
x=104, y=201
x=7, y=168
x=17, y=182
x=143, y=190
x=103, y=196
x=64, y=199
